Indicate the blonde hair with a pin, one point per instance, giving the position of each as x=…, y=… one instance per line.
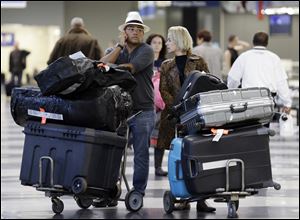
x=181, y=37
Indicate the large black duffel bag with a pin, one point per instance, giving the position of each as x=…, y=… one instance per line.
x=67, y=77
x=99, y=108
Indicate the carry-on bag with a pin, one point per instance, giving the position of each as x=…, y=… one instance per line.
x=63, y=73
x=204, y=160
x=175, y=173
x=99, y=108
x=69, y=77
x=198, y=82
x=227, y=108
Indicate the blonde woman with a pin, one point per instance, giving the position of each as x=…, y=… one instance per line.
x=173, y=73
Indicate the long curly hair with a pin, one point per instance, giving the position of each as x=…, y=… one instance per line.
x=163, y=51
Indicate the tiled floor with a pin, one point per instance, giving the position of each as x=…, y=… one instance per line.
x=18, y=201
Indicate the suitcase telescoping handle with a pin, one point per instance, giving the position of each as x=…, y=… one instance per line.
x=177, y=165
x=238, y=108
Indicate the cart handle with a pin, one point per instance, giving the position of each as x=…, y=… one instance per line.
x=51, y=171
x=227, y=173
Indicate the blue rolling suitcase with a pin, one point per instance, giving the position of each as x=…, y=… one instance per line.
x=177, y=184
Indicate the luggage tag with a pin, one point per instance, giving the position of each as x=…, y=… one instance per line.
x=218, y=133
x=43, y=121
x=103, y=67
x=44, y=115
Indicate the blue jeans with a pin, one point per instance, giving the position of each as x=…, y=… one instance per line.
x=141, y=128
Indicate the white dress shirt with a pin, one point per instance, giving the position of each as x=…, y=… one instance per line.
x=260, y=67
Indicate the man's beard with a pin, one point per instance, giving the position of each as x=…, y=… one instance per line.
x=134, y=43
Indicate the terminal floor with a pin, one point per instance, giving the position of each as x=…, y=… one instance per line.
x=18, y=201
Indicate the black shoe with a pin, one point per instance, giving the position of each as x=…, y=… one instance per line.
x=112, y=203
x=203, y=207
x=100, y=202
x=160, y=172
x=182, y=206
x=104, y=202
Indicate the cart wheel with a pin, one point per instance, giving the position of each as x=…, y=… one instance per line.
x=57, y=205
x=169, y=201
x=79, y=185
x=82, y=202
x=231, y=210
x=277, y=186
x=133, y=201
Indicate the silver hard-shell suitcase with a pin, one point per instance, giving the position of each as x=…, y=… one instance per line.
x=227, y=108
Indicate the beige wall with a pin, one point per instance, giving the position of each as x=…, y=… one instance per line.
x=246, y=25
x=103, y=18
x=39, y=40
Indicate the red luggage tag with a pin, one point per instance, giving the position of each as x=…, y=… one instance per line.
x=43, y=121
x=103, y=67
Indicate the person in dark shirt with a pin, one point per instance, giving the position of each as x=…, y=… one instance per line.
x=235, y=47
x=17, y=63
x=138, y=57
x=77, y=39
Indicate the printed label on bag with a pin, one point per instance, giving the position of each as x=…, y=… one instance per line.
x=218, y=135
x=45, y=114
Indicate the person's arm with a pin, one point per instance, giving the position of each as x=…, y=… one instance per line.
x=235, y=74
x=231, y=83
x=164, y=87
x=54, y=53
x=113, y=55
x=283, y=90
x=227, y=62
x=241, y=45
x=95, y=51
x=10, y=62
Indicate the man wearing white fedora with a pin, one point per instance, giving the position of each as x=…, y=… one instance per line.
x=133, y=54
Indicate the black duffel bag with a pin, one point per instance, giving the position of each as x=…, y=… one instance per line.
x=64, y=73
x=98, y=108
x=106, y=76
x=67, y=77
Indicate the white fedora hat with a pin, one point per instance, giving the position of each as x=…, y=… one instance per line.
x=134, y=18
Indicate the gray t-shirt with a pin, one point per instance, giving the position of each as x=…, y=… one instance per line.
x=142, y=59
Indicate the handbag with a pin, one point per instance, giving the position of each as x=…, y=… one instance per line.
x=286, y=127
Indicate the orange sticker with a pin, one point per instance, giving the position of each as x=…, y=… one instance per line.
x=43, y=118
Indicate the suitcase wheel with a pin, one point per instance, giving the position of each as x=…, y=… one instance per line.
x=277, y=186
x=169, y=201
x=79, y=185
x=232, y=208
x=57, y=205
x=83, y=202
x=134, y=201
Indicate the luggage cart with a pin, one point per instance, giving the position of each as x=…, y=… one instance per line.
x=84, y=195
x=221, y=194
